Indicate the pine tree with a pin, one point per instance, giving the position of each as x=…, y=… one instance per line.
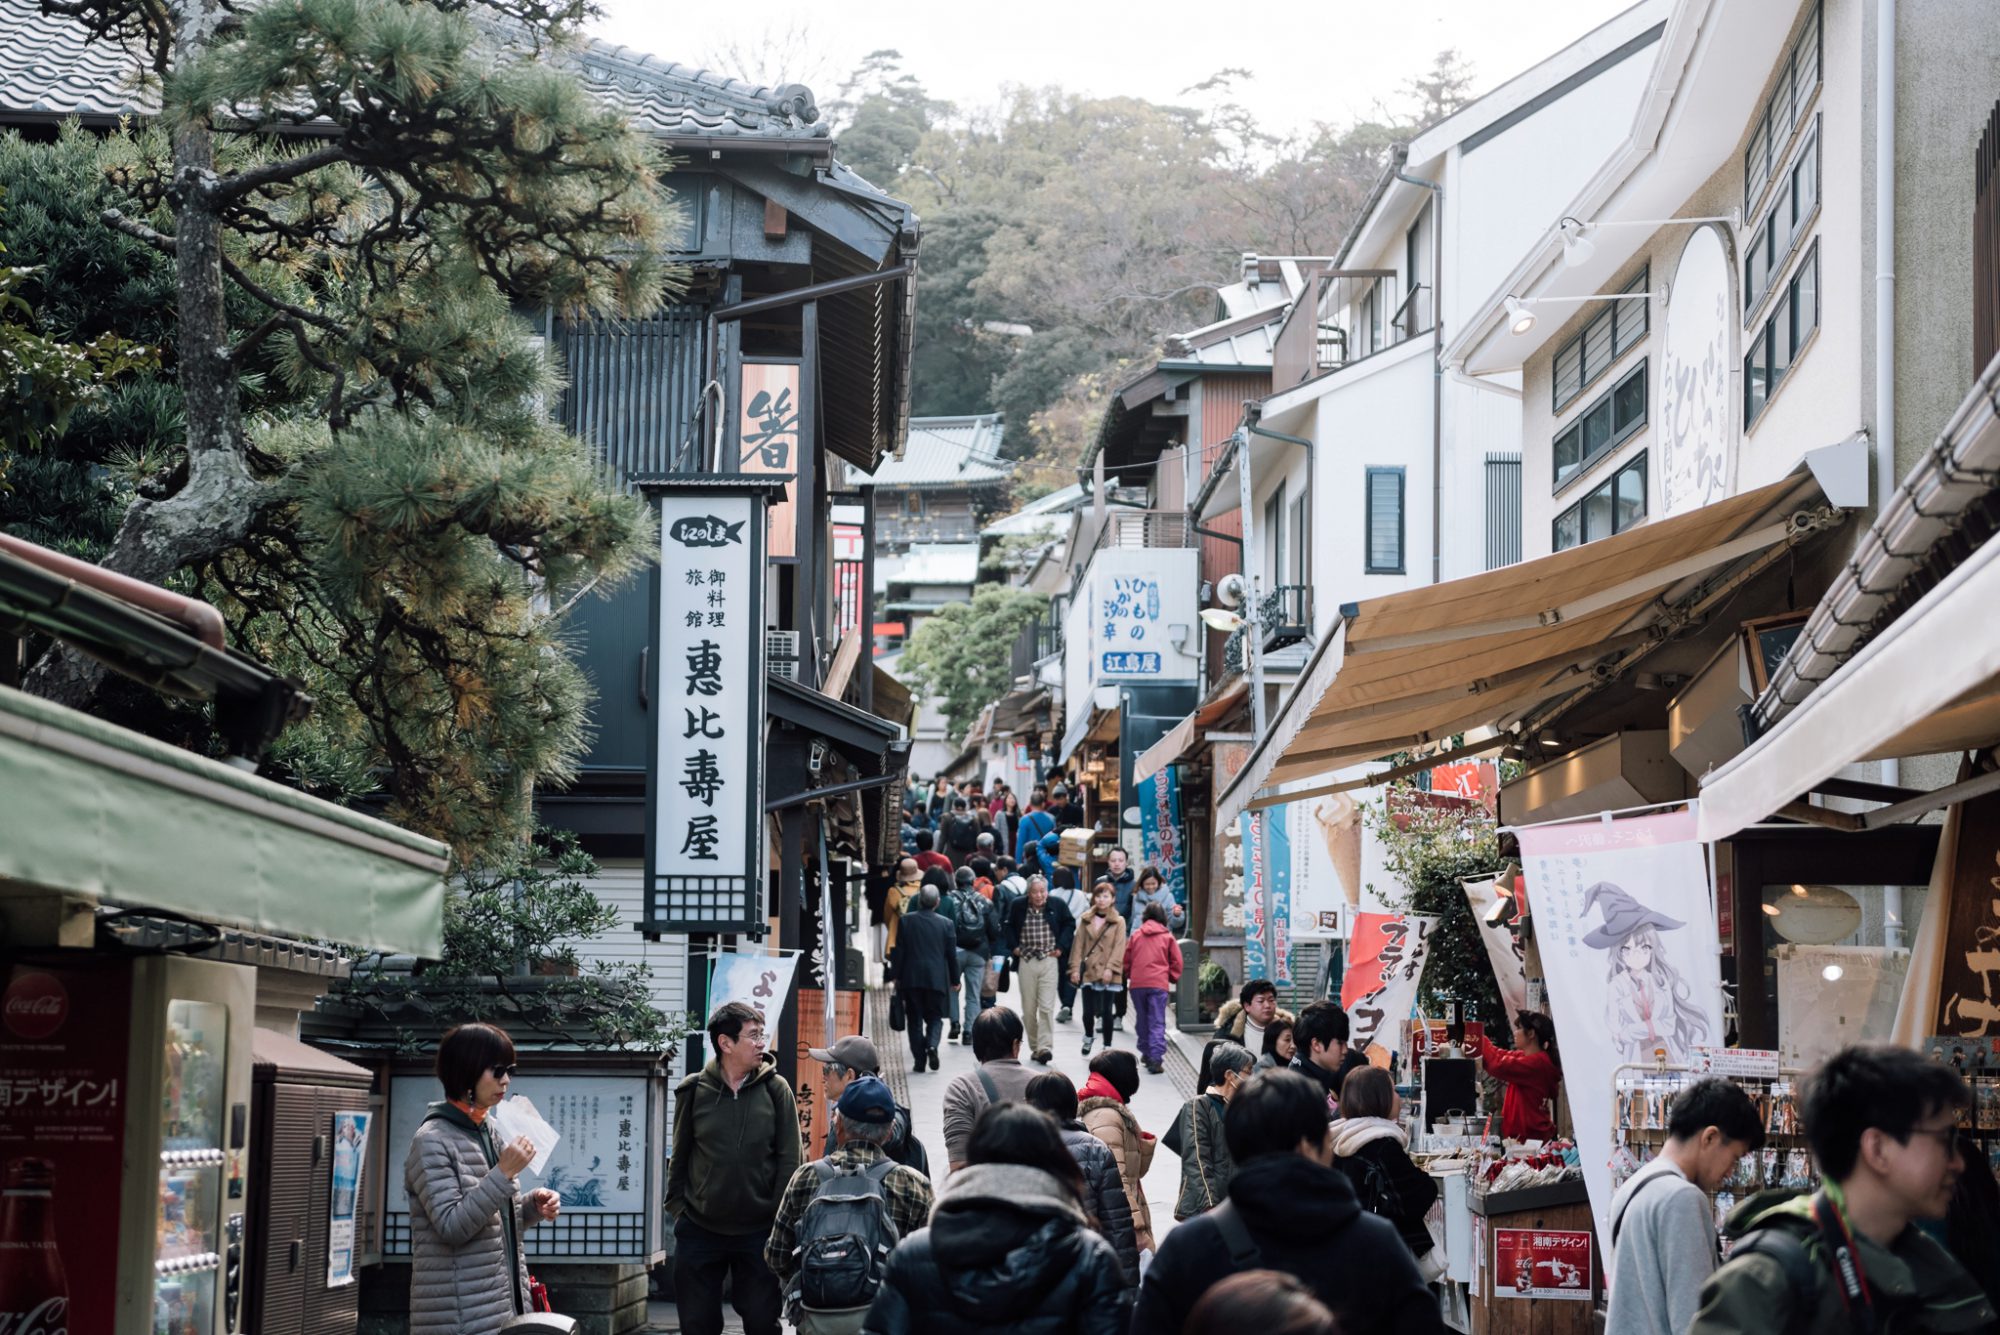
x=360, y=195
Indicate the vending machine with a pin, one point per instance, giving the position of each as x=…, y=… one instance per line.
x=124, y=1138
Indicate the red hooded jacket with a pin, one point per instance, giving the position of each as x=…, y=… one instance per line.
x=1152, y=957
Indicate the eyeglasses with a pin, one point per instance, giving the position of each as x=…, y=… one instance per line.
x=503, y=1072
x=1945, y=1136
x=754, y=1037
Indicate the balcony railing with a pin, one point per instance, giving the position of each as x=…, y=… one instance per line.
x=1234, y=660
x=1318, y=336
x=1038, y=639
x=1127, y=528
x=1285, y=615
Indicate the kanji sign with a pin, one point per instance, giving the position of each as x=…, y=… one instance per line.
x=768, y=429
x=1542, y=1263
x=707, y=690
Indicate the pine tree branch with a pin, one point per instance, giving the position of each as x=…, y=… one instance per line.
x=227, y=189
x=277, y=303
x=139, y=231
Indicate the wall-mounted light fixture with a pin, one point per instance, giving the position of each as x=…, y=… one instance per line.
x=1520, y=319
x=1577, y=248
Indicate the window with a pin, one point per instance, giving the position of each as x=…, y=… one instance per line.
x=1797, y=81
x=1614, y=505
x=1768, y=245
x=1773, y=349
x=1384, y=527
x=1301, y=550
x=1274, y=539
x=1612, y=332
x=913, y=504
x=1618, y=413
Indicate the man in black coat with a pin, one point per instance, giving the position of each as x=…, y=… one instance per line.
x=1288, y=1210
x=924, y=967
x=1320, y=1036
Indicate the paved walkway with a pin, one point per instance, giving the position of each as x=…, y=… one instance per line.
x=1156, y=1105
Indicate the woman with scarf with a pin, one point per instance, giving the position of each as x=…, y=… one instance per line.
x=1373, y=1150
x=467, y=1214
x=1104, y=1104
x=1097, y=961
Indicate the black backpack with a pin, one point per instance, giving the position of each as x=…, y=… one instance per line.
x=964, y=835
x=969, y=910
x=845, y=1237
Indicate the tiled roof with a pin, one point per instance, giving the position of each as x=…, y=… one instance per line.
x=49, y=68
x=945, y=452
x=929, y=564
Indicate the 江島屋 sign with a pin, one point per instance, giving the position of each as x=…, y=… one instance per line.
x=706, y=783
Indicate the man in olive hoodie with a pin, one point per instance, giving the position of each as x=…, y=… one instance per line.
x=736, y=1146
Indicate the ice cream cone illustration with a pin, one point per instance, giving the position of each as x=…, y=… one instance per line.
x=1339, y=820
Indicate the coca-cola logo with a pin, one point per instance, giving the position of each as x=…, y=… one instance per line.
x=48, y=1317
x=35, y=1006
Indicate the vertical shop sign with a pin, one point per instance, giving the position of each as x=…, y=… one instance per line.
x=1256, y=898
x=1160, y=830
x=814, y=1115
x=1385, y=962
x=768, y=441
x=63, y=1103
x=1969, y=972
x=1229, y=911
x=1626, y=935
x=1277, y=854
x=705, y=856
x=350, y=1156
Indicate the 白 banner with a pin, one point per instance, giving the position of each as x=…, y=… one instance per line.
x=1385, y=962
x=762, y=981
x=1503, y=948
x=1626, y=929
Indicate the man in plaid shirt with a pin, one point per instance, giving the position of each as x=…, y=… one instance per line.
x=863, y=1122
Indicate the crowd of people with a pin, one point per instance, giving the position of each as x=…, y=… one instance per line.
x=965, y=920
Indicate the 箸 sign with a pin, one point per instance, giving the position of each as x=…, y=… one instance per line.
x=705, y=784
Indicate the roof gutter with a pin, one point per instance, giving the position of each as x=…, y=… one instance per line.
x=198, y=618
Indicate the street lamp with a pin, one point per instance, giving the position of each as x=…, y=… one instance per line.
x=1220, y=618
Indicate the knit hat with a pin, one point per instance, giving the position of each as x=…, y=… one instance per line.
x=1623, y=915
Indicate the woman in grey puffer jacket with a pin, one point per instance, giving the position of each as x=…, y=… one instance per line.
x=467, y=1274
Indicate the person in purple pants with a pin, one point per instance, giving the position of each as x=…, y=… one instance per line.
x=1152, y=965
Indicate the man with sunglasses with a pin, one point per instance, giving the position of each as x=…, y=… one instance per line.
x=1850, y=1258
x=736, y=1146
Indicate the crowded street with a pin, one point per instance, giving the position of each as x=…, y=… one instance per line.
x=817, y=669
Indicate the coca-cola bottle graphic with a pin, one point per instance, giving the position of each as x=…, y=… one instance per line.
x=34, y=1294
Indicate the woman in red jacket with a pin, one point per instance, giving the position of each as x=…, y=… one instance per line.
x=1531, y=1073
x=1152, y=965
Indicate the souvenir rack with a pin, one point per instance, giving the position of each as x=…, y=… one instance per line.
x=1642, y=1102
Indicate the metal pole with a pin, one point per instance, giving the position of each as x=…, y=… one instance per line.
x=1251, y=590
x=827, y=943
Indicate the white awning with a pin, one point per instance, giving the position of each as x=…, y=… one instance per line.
x=1929, y=683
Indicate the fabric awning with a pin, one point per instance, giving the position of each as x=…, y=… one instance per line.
x=1415, y=668
x=1181, y=736
x=100, y=811
x=1928, y=683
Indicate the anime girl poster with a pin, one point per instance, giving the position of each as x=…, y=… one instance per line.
x=1625, y=925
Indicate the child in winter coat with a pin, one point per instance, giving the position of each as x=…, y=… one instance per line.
x=1097, y=961
x=1152, y=965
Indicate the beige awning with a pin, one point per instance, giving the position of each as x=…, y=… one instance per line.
x=1181, y=736
x=1415, y=668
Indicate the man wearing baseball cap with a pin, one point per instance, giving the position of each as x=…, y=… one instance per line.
x=864, y=1119
x=848, y=1060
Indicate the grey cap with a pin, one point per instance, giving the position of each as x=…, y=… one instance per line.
x=854, y=1052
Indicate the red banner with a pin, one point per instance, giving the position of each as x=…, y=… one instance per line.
x=64, y=1033
x=1385, y=960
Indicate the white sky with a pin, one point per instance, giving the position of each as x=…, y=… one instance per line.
x=1331, y=61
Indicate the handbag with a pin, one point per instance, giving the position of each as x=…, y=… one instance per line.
x=1006, y=977
x=896, y=1011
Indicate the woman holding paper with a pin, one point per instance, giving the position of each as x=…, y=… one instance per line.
x=467, y=1275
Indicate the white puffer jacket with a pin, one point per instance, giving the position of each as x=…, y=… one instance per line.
x=466, y=1220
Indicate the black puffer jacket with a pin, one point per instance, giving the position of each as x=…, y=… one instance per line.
x=1106, y=1191
x=1008, y=1250
x=1304, y=1220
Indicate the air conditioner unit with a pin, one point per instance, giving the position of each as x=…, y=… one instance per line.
x=781, y=653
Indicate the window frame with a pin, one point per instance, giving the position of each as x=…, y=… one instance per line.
x=1608, y=485
x=1763, y=237
x=1369, y=473
x=1759, y=347
x=1616, y=436
x=1607, y=315
x=1770, y=142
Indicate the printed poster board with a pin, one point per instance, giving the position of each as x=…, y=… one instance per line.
x=1542, y=1263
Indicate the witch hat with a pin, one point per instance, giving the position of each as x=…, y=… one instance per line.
x=1623, y=915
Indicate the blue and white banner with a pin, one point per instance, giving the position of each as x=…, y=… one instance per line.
x=1267, y=897
x=1278, y=873
x=1160, y=831
x=761, y=981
